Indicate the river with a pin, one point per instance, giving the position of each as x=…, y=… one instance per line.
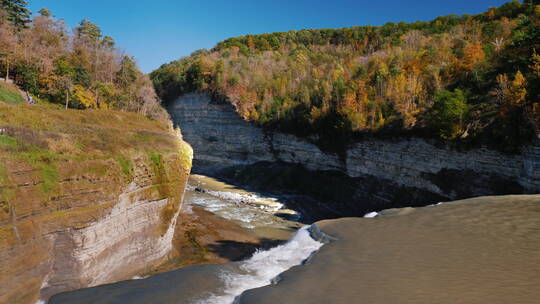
x=265, y=215
x=484, y=250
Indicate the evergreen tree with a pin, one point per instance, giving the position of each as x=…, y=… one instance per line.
x=16, y=12
x=88, y=30
x=127, y=74
x=45, y=12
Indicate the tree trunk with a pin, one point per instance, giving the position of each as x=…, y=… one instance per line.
x=7, y=70
x=67, y=99
x=97, y=97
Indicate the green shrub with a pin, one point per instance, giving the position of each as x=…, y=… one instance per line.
x=126, y=166
x=448, y=113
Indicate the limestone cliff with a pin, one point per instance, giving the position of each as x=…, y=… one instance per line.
x=222, y=138
x=88, y=198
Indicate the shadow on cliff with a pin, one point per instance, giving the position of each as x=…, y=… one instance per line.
x=318, y=195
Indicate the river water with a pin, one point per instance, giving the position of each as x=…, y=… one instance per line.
x=484, y=250
x=265, y=215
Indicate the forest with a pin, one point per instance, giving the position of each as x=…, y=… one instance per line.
x=468, y=80
x=79, y=68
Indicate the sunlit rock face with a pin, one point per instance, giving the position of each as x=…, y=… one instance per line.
x=222, y=138
x=110, y=248
x=106, y=228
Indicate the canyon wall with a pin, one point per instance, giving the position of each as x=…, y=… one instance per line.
x=101, y=224
x=222, y=139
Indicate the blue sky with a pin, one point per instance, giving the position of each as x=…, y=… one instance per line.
x=158, y=31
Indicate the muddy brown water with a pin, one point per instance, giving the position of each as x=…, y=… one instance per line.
x=484, y=250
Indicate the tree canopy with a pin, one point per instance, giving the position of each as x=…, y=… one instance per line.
x=16, y=12
x=82, y=69
x=451, y=78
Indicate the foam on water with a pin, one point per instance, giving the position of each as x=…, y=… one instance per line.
x=264, y=266
x=248, y=209
x=248, y=216
x=371, y=214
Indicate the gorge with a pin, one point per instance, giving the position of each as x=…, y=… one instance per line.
x=380, y=163
x=225, y=143
x=382, y=173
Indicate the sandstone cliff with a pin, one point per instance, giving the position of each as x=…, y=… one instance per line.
x=86, y=197
x=399, y=167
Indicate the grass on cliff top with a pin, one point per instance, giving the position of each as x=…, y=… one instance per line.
x=10, y=94
x=44, y=135
x=85, y=132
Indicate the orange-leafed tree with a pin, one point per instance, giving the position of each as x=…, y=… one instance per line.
x=473, y=53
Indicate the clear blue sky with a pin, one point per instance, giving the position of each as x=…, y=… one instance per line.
x=158, y=31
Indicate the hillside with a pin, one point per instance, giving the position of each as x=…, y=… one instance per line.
x=92, y=173
x=79, y=68
x=471, y=79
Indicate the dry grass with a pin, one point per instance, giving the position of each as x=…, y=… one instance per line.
x=45, y=137
x=78, y=132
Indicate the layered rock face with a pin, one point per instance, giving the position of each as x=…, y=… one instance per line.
x=222, y=138
x=101, y=226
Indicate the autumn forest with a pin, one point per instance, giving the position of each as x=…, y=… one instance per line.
x=471, y=79
x=80, y=69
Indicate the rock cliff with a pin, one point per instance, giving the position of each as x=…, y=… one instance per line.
x=79, y=219
x=223, y=139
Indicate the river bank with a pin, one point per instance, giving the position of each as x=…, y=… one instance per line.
x=223, y=223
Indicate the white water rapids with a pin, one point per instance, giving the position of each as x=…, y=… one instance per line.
x=250, y=210
x=264, y=266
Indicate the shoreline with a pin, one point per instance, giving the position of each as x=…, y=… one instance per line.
x=204, y=237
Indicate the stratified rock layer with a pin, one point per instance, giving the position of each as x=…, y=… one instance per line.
x=222, y=138
x=100, y=226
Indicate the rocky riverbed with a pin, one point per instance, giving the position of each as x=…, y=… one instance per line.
x=222, y=223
